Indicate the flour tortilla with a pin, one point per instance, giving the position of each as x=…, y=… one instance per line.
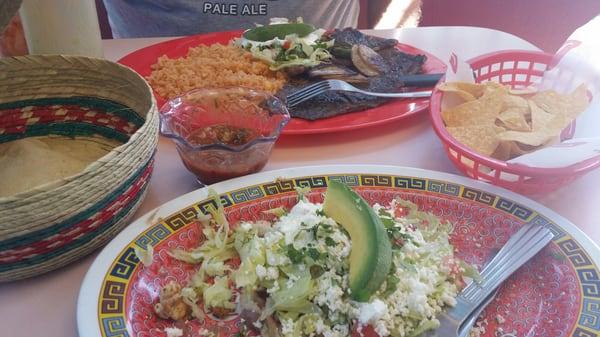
x=31, y=162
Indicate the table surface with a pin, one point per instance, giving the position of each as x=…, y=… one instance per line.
x=46, y=305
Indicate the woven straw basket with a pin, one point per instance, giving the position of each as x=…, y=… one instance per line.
x=59, y=222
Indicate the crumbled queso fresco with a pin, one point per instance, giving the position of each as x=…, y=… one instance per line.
x=299, y=268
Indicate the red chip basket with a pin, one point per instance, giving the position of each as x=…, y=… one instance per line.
x=516, y=68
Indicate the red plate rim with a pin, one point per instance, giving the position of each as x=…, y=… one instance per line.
x=102, y=308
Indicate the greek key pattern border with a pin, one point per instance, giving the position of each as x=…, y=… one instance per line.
x=111, y=304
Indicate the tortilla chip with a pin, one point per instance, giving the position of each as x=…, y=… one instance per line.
x=505, y=123
x=483, y=111
x=563, y=104
x=539, y=117
x=523, y=91
x=493, y=87
x=480, y=138
x=470, y=113
x=516, y=150
x=527, y=138
x=548, y=131
x=503, y=151
x=448, y=88
x=465, y=96
x=468, y=89
x=514, y=119
x=512, y=101
x=557, y=124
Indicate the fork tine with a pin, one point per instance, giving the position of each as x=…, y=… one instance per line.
x=305, y=97
x=529, y=244
x=520, y=238
x=308, y=87
x=523, y=245
x=536, y=244
x=307, y=93
x=516, y=240
x=465, y=327
x=305, y=89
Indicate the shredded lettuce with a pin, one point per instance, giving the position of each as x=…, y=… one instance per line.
x=190, y=297
x=245, y=275
x=294, y=298
x=302, y=192
x=187, y=256
x=218, y=245
x=146, y=256
x=215, y=268
x=218, y=214
x=305, y=325
x=278, y=211
x=293, y=50
x=305, y=279
x=251, y=251
x=218, y=294
x=470, y=271
x=425, y=325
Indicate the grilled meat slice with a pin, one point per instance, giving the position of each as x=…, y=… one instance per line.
x=332, y=103
x=348, y=37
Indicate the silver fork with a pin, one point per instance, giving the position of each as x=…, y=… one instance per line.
x=521, y=247
x=315, y=89
x=467, y=325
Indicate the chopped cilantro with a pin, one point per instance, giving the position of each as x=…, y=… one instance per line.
x=313, y=253
x=321, y=44
x=398, y=238
x=387, y=223
x=295, y=255
x=386, y=218
x=298, y=255
x=330, y=242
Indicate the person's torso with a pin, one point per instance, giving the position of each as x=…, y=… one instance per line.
x=142, y=18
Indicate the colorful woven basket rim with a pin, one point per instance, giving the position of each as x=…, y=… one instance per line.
x=63, y=220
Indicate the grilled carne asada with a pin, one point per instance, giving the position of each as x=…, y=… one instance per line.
x=368, y=62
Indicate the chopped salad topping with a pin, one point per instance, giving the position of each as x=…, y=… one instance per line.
x=290, y=45
x=292, y=278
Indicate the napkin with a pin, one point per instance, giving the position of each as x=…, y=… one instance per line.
x=574, y=63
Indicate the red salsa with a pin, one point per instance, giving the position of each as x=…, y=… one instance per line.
x=215, y=165
x=226, y=134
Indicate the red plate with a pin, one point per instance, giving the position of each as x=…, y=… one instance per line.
x=556, y=294
x=141, y=60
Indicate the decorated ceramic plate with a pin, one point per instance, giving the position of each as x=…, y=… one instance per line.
x=555, y=294
x=141, y=60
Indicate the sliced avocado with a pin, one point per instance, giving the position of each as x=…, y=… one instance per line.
x=371, y=254
x=269, y=32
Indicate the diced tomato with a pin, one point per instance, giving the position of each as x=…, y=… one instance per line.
x=400, y=211
x=287, y=44
x=366, y=331
x=455, y=272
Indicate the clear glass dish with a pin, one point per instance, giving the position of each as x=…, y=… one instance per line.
x=222, y=133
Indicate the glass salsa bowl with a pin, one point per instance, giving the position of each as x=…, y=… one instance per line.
x=222, y=133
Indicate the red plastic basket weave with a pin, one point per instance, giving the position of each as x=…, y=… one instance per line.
x=516, y=68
